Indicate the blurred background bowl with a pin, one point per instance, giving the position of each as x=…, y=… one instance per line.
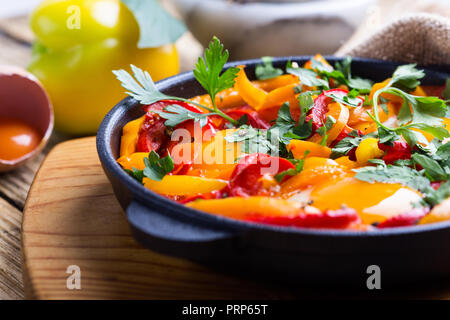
x=251, y=29
x=22, y=97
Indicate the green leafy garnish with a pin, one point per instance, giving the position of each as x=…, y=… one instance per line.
x=266, y=70
x=307, y=77
x=407, y=76
x=298, y=163
x=433, y=169
x=156, y=168
x=434, y=197
x=343, y=147
x=207, y=72
x=176, y=114
x=349, y=99
x=322, y=131
x=394, y=174
x=424, y=113
x=446, y=92
x=156, y=26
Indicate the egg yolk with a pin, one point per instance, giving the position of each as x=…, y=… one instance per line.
x=374, y=202
x=17, y=138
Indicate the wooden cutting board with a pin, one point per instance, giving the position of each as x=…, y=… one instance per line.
x=72, y=218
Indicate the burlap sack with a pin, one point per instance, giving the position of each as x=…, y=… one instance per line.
x=418, y=38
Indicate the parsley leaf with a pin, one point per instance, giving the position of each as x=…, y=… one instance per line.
x=298, y=163
x=435, y=197
x=446, y=92
x=307, y=77
x=266, y=70
x=141, y=87
x=322, y=131
x=347, y=99
x=208, y=69
x=433, y=169
x=207, y=72
x=156, y=168
x=176, y=114
x=394, y=174
x=343, y=147
x=407, y=76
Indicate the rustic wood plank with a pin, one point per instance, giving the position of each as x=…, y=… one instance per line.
x=10, y=254
x=17, y=28
x=14, y=185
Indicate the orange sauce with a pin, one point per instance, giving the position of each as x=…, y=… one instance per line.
x=17, y=138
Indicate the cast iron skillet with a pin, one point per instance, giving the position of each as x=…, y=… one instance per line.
x=284, y=254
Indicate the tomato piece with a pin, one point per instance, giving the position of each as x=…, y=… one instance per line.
x=406, y=219
x=330, y=219
x=246, y=177
x=400, y=150
x=434, y=91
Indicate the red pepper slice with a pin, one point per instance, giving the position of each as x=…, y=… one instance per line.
x=245, y=179
x=253, y=117
x=320, y=108
x=400, y=150
x=406, y=219
x=337, y=219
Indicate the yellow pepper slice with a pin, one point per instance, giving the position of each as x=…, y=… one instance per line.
x=134, y=160
x=440, y=213
x=240, y=207
x=251, y=94
x=278, y=96
x=368, y=149
x=298, y=148
x=183, y=185
x=130, y=135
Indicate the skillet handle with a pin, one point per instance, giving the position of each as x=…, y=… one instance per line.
x=147, y=224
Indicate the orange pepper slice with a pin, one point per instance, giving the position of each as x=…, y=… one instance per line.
x=341, y=114
x=241, y=207
x=278, y=96
x=299, y=147
x=251, y=94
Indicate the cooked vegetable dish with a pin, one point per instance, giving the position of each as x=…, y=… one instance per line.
x=310, y=146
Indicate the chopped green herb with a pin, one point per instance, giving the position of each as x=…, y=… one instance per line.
x=298, y=163
x=266, y=70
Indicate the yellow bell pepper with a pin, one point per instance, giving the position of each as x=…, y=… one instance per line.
x=368, y=149
x=79, y=43
x=298, y=148
x=184, y=185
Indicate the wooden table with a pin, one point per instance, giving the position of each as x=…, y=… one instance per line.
x=15, y=48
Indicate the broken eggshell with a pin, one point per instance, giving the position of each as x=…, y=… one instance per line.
x=22, y=97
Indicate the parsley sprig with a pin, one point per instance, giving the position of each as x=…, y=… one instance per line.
x=208, y=72
x=156, y=168
x=266, y=70
x=424, y=113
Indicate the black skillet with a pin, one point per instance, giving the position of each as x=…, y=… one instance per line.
x=289, y=255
